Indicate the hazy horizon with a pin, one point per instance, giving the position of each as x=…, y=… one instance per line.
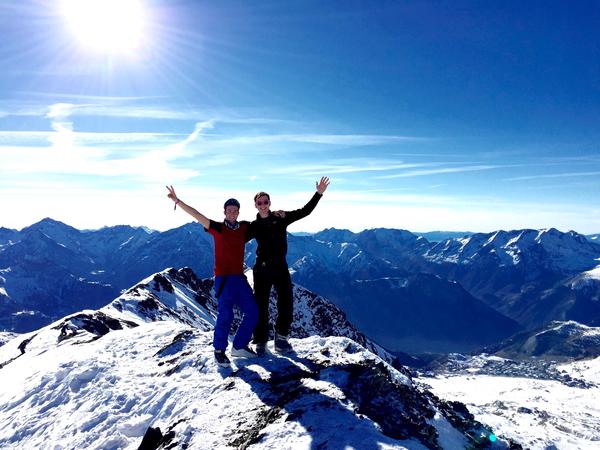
x=299, y=231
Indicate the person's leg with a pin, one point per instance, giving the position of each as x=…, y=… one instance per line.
x=285, y=307
x=247, y=304
x=224, y=314
x=262, y=292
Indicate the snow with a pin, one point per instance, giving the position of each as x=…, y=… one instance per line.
x=449, y=436
x=101, y=379
x=6, y=336
x=539, y=414
x=106, y=393
x=126, y=242
x=565, y=251
x=592, y=274
x=586, y=369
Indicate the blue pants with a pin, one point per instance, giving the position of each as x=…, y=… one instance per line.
x=236, y=291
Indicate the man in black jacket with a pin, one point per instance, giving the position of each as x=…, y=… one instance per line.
x=271, y=269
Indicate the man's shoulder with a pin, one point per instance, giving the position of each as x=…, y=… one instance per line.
x=269, y=221
x=214, y=226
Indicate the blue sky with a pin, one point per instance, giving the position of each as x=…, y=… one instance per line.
x=426, y=115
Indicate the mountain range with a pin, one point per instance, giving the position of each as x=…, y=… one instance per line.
x=407, y=293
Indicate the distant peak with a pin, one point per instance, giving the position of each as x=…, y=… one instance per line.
x=48, y=222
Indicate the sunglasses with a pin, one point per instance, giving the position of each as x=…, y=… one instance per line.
x=266, y=202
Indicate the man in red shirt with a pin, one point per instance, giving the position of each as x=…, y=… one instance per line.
x=231, y=285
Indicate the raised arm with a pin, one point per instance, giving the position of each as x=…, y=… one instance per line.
x=298, y=214
x=204, y=221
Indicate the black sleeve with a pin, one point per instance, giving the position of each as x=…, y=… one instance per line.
x=217, y=226
x=250, y=231
x=297, y=214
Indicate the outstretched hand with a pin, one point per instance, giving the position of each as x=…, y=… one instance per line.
x=172, y=195
x=322, y=185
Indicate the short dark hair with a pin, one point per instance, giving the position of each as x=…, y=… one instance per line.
x=261, y=194
x=231, y=202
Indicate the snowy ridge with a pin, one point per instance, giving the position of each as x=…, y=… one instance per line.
x=142, y=369
x=564, y=251
x=177, y=294
x=170, y=295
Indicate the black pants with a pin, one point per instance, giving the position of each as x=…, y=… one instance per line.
x=266, y=276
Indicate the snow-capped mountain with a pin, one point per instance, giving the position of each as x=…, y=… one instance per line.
x=50, y=269
x=139, y=373
x=548, y=248
x=554, y=341
x=530, y=276
x=438, y=236
x=593, y=237
x=525, y=274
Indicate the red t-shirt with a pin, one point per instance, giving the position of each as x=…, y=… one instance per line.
x=229, y=247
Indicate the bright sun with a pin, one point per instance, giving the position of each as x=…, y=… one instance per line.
x=109, y=26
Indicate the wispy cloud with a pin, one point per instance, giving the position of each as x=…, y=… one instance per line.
x=554, y=175
x=66, y=155
x=135, y=108
x=136, y=142
x=176, y=150
x=330, y=139
x=100, y=99
x=354, y=166
x=63, y=137
x=419, y=173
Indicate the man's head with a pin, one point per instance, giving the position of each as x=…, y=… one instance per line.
x=232, y=210
x=262, y=201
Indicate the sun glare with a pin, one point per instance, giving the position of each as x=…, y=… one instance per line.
x=110, y=26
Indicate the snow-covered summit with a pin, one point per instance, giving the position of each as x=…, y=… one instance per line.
x=570, y=251
x=141, y=369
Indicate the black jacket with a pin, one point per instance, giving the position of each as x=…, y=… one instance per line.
x=271, y=232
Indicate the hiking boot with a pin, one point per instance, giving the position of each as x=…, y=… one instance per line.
x=281, y=343
x=222, y=359
x=244, y=352
x=260, y=348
